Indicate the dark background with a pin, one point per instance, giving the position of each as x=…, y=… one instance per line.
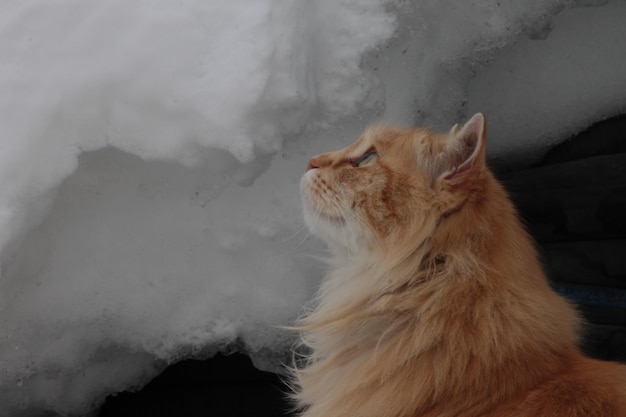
x=574, y=204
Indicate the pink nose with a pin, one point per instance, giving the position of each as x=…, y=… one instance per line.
x=313, y=163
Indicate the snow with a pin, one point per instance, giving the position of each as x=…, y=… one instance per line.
x=150, y=155
x=554, y=87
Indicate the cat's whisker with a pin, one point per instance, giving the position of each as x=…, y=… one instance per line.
x=305, y=237
x=345, y=209
x=361, y=222
x=347, y=226
x=300, y=230
x=294, y=248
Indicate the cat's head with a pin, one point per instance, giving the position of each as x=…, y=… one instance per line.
x=392, y=185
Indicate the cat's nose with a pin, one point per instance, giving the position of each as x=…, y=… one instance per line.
x=313, y=163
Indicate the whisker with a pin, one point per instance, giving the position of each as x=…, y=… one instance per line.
x=356, y=215
x=343, y=208
x=303, y=228
x=341, y=215
x=308, y=231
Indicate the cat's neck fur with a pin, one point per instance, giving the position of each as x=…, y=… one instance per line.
x=456, y=316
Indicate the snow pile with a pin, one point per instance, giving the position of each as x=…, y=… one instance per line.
x=165, y=80
x=150, y=157
x=541, y=91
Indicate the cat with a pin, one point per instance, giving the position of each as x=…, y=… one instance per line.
x=435, y=303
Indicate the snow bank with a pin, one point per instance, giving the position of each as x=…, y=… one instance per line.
x=542, y=90
x=150, y=156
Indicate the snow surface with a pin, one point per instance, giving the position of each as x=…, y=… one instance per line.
x=150, y=155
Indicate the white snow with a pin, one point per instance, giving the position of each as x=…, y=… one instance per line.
x=557, y=86
x=150, y=155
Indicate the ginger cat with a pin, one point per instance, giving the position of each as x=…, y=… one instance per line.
x=435, y=304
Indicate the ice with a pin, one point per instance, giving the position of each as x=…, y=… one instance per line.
x=150, y=157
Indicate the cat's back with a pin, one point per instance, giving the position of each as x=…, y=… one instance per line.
x=588, y=388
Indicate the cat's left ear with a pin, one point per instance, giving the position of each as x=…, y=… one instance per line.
x=465, y=150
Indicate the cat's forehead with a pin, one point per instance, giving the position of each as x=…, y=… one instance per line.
x=384, y=138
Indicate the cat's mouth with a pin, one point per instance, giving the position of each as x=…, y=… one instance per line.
x=316, y=212
x=332, y=219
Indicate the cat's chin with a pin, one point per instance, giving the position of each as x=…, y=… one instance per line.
x=314, y=212
x=340, y=239
x=331, y=228
x=323, y=225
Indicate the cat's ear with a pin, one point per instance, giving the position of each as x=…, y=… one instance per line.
x=464, y=152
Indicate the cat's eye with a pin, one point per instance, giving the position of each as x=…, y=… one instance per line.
x=368, y=158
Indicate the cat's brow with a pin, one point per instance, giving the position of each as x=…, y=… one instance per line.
x=358, y=148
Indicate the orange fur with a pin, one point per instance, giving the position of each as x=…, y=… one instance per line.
x=435, y=304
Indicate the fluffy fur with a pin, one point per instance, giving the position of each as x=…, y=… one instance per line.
x=435, y=304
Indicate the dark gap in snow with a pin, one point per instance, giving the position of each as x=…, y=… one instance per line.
x=606, y=137
x=225, y=385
